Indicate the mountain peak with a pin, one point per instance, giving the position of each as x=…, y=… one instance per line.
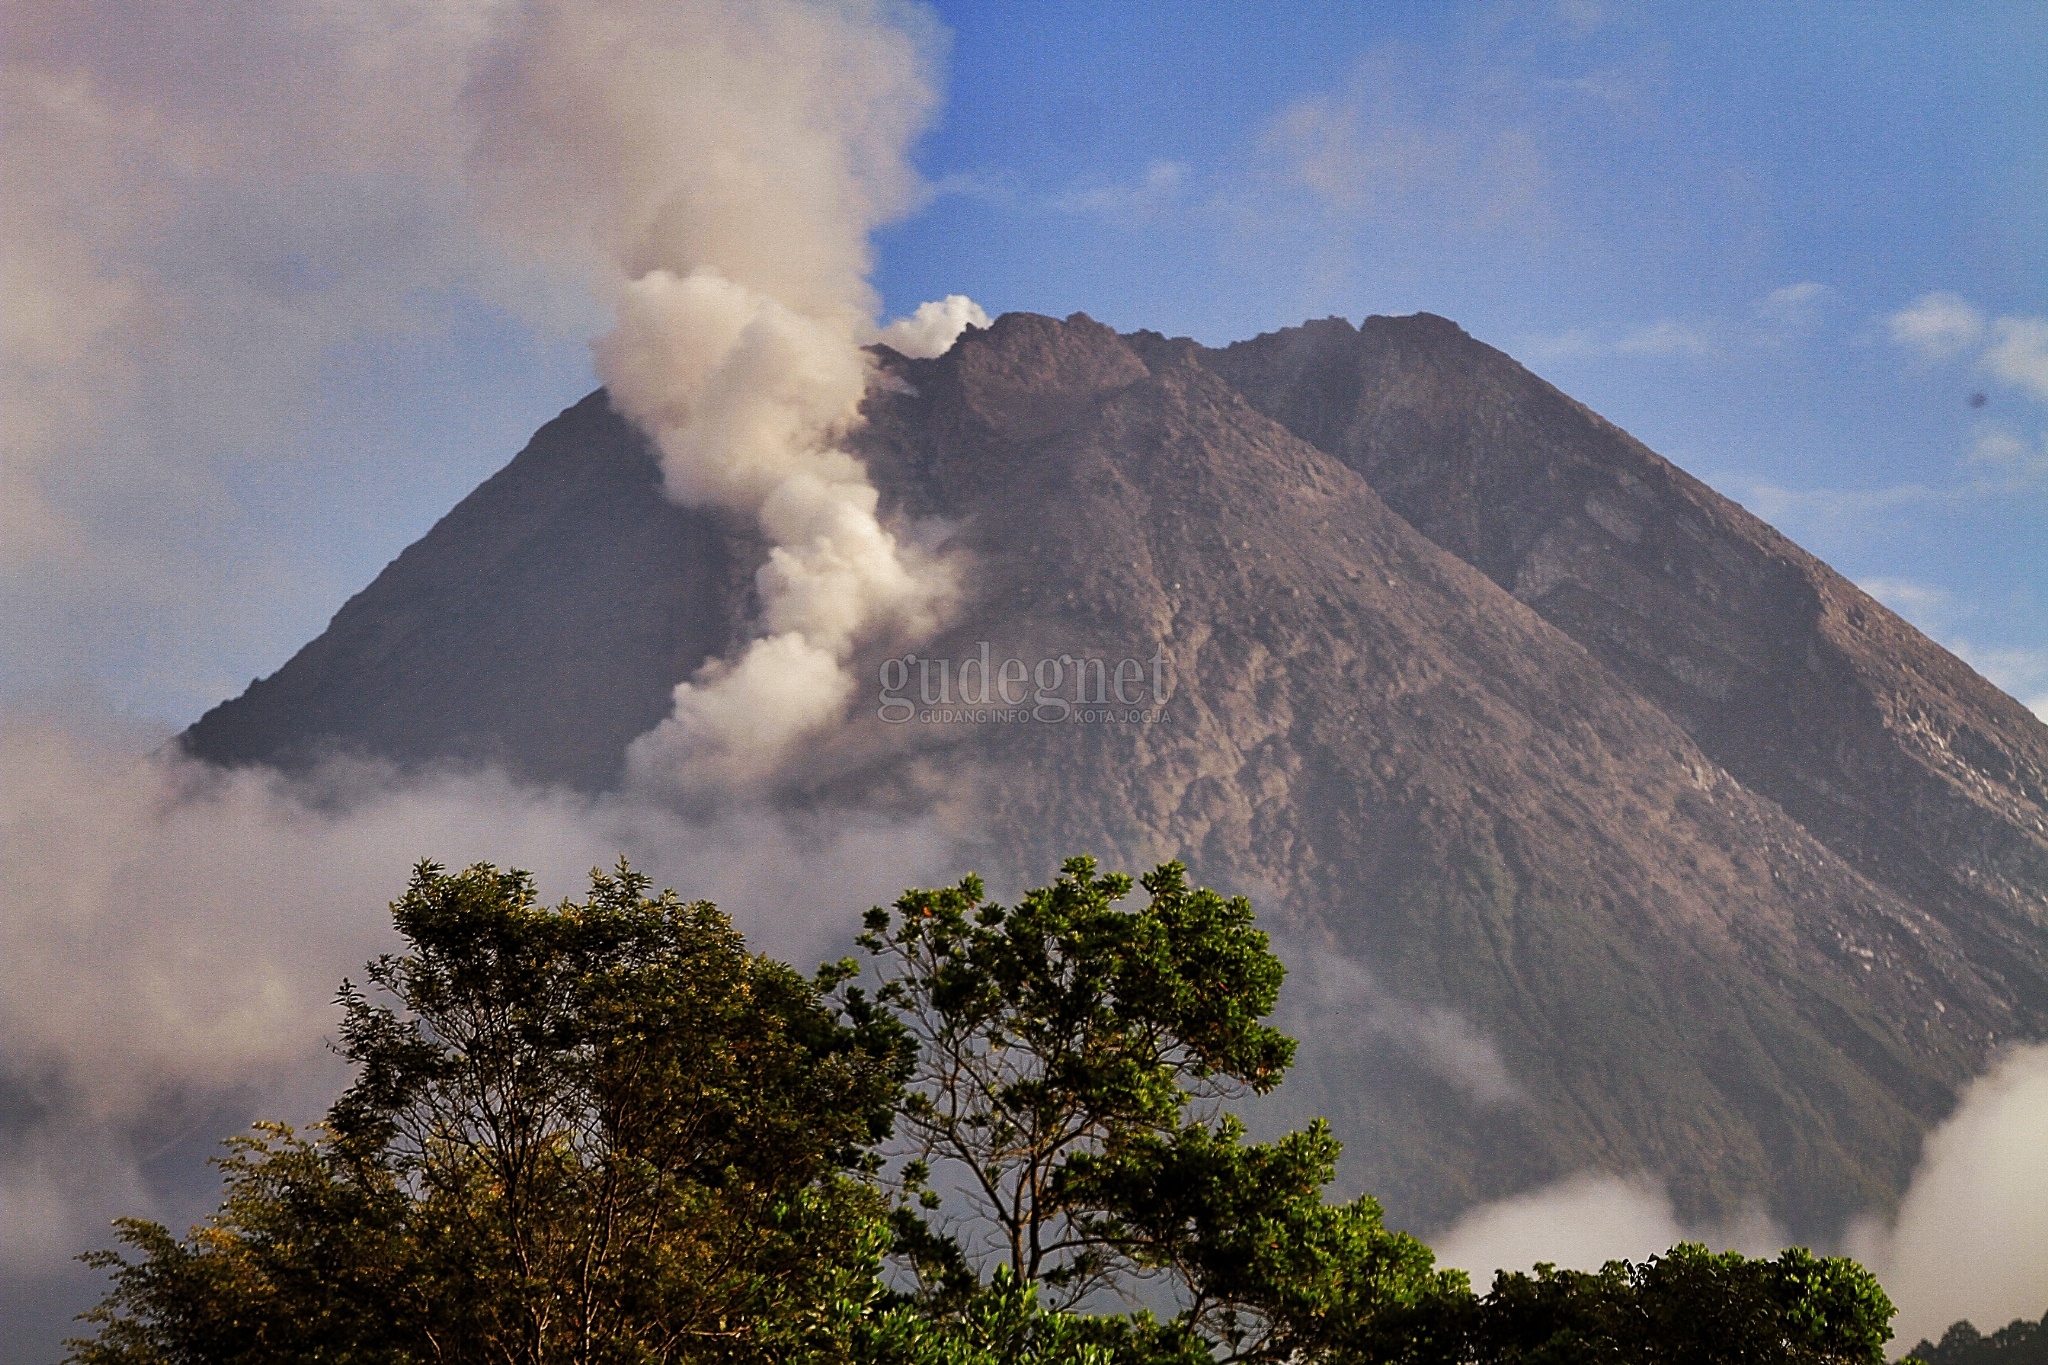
x=1612, y=830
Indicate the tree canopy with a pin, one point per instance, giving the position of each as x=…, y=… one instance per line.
x=1071, y=1056
x=2019, y=1342
x=604, y=1131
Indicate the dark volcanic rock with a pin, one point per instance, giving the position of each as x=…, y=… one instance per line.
x=541, y=624
x=1549, y=915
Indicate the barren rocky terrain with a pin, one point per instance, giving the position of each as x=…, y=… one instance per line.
x=1605, y=827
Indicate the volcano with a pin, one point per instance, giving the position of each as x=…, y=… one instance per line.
x=1606, y=829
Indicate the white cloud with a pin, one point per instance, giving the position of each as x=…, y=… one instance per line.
x=2001, y=449
x=1970, y=1239
x=1942, y=326
x=171, y=935
x=1132, y=204
x=1577, y=343
x=1971, y=1236
x=1581, y=1223
x=1999, y=465
x=1938, y=325
x=990, y=187
x=1780, y=505
x=1924, y=606
x=200, y=214
x=1367, y=154
x=1665, y=338
x=2018, y=354
x=1796, y=306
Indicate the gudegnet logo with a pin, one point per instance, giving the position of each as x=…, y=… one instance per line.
x=1060, y=689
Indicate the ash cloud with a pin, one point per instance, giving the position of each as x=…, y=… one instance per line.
x=215, y=214
x=719, y=170
x=208, y=213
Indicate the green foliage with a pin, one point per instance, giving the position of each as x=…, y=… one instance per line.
x=598, y=1132
x=1271, y=1271
x=2019, y=1342
x=604, y=1132
x=1002, y=1323
x=306, y=1260
x=1688, y=1307
x=1070, y=1057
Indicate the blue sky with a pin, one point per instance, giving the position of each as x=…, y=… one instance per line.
x=1697, y=219
x=1718, y=225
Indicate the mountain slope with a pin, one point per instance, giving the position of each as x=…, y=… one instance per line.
x=541, y=624
x=1434, y=781
x=1542, y=922
x=1888, y=748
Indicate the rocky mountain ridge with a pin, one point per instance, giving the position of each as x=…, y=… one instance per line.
x=1607, y=829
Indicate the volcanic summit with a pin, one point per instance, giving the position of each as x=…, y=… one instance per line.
x=1606, y=828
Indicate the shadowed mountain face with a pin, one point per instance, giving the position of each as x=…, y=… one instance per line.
x=541, y=624
x=1604, y=827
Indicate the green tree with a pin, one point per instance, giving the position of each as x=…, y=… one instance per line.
x=308, y=1258
x=1687, y=1307
x=1072, y=1061
x=2019, y=1342
x=605, y=1132
x=598, y=1132
x=1003, y=1323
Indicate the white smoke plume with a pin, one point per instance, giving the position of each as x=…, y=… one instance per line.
x=931, y=331
x=213, y=215
x=746, y=398
x=720, y=169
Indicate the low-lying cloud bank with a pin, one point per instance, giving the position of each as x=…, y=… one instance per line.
x=1971, y=1236
x=1582, y=1222
x=1970, y=1239
x=1338, y=1001
x=173, y=936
